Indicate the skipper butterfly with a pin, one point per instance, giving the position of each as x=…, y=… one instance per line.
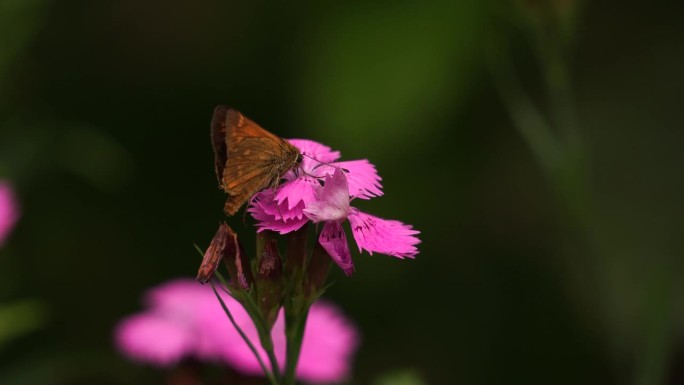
x=247, y=158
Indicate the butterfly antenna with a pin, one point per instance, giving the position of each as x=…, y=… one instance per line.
x=322, y=162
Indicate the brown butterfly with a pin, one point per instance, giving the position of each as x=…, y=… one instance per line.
x=247, y=157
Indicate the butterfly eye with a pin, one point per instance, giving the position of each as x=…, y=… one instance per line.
x=299, y=159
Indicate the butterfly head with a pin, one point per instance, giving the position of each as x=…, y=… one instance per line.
x=291, y=160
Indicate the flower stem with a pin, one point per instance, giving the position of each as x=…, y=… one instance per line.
x=295, y=323
x=562, y=155
x=268, y=373
x=264, y=333
x=296, y=304
x=527, y=118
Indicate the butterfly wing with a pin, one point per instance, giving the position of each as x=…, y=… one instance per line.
x=247, y=157
x=218, y=140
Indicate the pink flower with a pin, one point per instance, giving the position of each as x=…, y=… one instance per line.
x=9, y=210
x=321, y=191
x=371, y=233
x=185, y=319
x=282, y=209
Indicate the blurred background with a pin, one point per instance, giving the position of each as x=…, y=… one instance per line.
x=535, y=144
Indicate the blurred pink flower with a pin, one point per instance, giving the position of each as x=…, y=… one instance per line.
x=185, y=319
x=371, y=233
x=281, y=209
x=9, y=210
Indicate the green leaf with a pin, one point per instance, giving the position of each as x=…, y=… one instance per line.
x=401, y=377
x=20, y=318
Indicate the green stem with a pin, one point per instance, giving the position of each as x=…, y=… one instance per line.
x=268, y=373
x=296, y=305
x=526, y=117
x=563, y=158
x=657, y=343
x=552, y=53
x=295, y=324
x=253, y=311
x=264, y=334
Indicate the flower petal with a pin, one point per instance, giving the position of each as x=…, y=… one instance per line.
x=214, y=332
x=300, y=189
x=330, y=341
x=383, y=236
x=238, y=354
x=363, y=178
x=315, y=150
x=164, y=335
x=180, y=297
x=332, y=200
x=334, y=241
x=314, y=155
x=276, y=217
x=9, y=210
x=154, y=338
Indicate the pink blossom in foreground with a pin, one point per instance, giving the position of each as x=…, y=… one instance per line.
x=9, y=210
x=281, y=209
x=184, y=319
x=371, y=233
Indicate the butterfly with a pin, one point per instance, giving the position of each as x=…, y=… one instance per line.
x=247, y=158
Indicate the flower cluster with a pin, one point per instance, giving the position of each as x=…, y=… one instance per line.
x=320, y=191
x=184, y=319
x=9, y=210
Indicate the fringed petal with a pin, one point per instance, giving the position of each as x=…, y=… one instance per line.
x=383, y=236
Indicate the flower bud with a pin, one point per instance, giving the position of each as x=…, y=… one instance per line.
x=225, y=246
x=269, y=278
x=270, y=264
x=318, y=270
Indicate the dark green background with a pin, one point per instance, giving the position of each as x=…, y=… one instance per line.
x=524, y=276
